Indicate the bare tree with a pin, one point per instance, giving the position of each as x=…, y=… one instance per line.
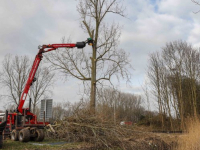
x=41, y=88
x=15, y=74
x=155, y=75
x=58, y=111
x=146, y=90
x=191, y=64
x=62, y=110
x=197, y=3
x=105, y=60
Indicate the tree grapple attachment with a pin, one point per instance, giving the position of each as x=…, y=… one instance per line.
x=90, y=41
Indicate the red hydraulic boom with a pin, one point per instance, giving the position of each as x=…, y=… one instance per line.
x=38, y=58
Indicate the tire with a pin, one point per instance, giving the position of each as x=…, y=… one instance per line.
x=14, y=135
x=24, y=135
x=39, y=135
x=1, y=141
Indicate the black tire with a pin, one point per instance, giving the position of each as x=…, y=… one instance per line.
x=1, y=141
x=39, y=135
x=14, y=135
x=24, y=135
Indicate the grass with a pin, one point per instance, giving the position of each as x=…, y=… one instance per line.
x=16, y=145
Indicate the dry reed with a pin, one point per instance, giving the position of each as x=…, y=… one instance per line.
x=191, y=139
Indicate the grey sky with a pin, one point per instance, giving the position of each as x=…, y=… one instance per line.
x=25, y=24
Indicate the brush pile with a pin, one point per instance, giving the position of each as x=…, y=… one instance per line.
x=97, y=133
x=92, y=130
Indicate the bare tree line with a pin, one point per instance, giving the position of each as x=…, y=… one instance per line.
x=174, y=75
x=120, y=106
x=112, y=105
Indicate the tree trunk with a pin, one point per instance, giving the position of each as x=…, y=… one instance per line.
x=93, y=83
x=34, y=105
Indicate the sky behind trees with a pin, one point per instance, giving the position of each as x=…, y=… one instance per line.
x=148, y=26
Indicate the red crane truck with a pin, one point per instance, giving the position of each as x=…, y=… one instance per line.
x=21, y=124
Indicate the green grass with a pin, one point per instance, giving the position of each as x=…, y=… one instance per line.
x=16, y=145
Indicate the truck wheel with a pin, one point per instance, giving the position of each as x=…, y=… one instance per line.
x=24, y=135
x=39, y=135
x=1, y=141
x=14, y=135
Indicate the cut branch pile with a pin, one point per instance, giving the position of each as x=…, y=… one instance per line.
x=91, y=130
x=97, y=133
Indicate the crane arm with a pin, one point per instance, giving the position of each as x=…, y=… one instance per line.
x=38, y=58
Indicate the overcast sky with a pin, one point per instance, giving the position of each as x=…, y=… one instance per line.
x=25, y=24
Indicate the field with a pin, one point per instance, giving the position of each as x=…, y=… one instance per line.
x=47, y=144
